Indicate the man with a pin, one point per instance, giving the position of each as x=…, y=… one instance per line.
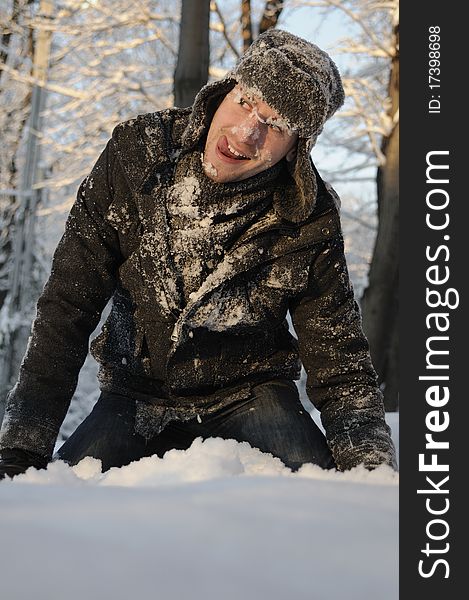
x=206, y=226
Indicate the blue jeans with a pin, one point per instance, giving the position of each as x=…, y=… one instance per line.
x=271, y=419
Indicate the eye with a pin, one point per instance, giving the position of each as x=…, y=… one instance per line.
x=244, y=103
x=275, y=127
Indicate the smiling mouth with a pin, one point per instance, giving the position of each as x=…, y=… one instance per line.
x=227, y=151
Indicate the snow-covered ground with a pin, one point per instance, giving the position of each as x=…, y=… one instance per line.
x=218, y=521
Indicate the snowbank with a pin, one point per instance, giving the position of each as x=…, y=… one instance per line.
x=220, y=520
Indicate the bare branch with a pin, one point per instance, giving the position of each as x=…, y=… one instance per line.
x=215, y=7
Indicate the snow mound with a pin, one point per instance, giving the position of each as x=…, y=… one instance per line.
x=219, y=520
x=213, y=458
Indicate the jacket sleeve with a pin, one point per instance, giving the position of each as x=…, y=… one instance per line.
x=341, y=381
x=82, y=279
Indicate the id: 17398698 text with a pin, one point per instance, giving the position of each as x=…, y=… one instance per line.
x=434, y=69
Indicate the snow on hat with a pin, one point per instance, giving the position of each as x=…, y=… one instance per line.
x=302, y=84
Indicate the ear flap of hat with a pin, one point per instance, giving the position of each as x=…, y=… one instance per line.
x=204, y=106
x=296, y=201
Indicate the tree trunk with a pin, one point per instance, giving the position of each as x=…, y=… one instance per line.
x=194, y=51
x=246, y=26
x=380, y=299
x=15, y=124
x=23, y=289
x=271, y=15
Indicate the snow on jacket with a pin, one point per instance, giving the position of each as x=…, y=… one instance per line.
x=231, y=334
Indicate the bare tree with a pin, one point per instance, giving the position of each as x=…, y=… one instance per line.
x=380, y=299
x=242, y=20
x=194, y=53
x=16, y=53
x=193, y=61
x=110, y=60
x=104, y=68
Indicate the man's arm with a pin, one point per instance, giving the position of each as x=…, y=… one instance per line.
x=341, y=382
x=82, y=279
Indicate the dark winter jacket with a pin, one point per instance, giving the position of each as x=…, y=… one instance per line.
x=231, y=334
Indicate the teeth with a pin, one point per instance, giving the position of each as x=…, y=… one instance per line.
x=235, y=152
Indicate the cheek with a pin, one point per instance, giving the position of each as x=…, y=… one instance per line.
x=217, y=127
x=281, y=149
x=272, y=153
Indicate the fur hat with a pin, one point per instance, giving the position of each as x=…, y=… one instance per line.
x=302, y=84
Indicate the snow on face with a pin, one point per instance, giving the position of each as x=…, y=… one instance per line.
x=209, y=169
x=254, y=98
x=246, y=136
x=246, y=131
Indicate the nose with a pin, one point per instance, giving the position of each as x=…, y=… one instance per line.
x=250, y=132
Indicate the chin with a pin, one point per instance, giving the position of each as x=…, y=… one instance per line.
x=232, y=177
x=224, y=176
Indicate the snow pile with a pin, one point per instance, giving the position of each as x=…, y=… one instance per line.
x=213, y=458
x=220, y=520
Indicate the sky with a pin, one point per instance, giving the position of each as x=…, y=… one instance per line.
x=323, y=31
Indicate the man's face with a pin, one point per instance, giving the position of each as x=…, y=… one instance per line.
x=246, y=136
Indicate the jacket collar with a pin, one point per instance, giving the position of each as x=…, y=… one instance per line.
x=146, y=147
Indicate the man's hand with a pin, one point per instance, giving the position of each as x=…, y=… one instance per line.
x=14, y=461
